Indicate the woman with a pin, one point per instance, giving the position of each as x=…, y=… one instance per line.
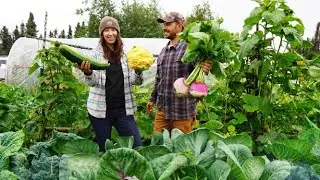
x=111, y=101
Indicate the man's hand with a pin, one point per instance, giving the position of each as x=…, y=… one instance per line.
x=206, y=66
x=85, y=68
x=150, y=107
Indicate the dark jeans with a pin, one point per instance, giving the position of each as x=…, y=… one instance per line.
x=125, y=125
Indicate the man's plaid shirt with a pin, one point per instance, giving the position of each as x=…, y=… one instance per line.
x=169, y=69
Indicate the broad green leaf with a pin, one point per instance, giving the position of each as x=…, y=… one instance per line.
x=117, y=163
x=252, y=103
x=164, y=166
x=300, y=28
x=316, y=168
x=8, y=175
x=212, y=125
x=189, y=57
x=195, y=28
x=245, y=31
x=294, y=150
x=167, y=142
x=314, y=71
x=271, y=136
x=33, y=67
x=80, y=146
x=241, y=152
x=194, y=172
x=124, y=141
x=234, y=152
x=252, y=20
x=109, y=145
x=286, y=59
x=253, y=168
x=219, y=170
x=315, y=152
x=247, y=46
x=275, y=17
x=194, y=141
x=311, y=135
x=264, y=69
x=240, y=118
x=243, y=139
x=276, y=170
x=228, y=53
x=207, y=157
x=157, y=138
x=176, y=133
x=217, y=70
x=201, y=36
x=256, y=11
x=152, y=152
x=10, y=142
x=80, y=166
x=302, y=172
x=289, y=30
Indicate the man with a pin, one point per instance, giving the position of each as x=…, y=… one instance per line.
x=173, y=111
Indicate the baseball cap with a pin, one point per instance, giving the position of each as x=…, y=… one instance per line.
x=172, y=17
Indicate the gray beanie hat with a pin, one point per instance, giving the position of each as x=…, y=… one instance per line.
x=108, y=22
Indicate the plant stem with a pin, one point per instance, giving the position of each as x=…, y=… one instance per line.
x=194, y=74
x=274, y=67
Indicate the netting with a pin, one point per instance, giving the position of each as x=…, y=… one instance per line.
x=24, y=51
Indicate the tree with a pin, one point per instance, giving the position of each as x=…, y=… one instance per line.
x=62, y=34
x=93, y=26
x=100, y=8
x=6, y=40
x=31, y=29
x=139, y=20
x=313, y=50
x=22, y=30
x=55, y=33
x=200, y=12
x=81, y=30
x=77, y=31
x=70, y=32
x=316, y=38
x=16, y=34
x=51, y=34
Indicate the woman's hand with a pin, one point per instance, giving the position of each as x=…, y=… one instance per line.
x=85, y=68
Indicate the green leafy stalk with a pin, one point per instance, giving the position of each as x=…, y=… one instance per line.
x=201, y=76
x=193, y=76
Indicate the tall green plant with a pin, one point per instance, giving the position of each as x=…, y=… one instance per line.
x=60, y=98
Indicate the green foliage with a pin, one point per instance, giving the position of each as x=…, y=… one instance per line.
x=6, y=41
x=143, y=119
x=59, y=98
x=200, y=12
x=31, y=26
x=139, y=20
x=136, y=19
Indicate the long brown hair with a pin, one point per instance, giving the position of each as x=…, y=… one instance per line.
x=110, y=55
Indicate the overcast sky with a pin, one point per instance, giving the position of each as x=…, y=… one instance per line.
x=61, y=13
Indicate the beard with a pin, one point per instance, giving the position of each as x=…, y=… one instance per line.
x=169, y=35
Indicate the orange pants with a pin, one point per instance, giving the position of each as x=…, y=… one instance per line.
x=184, y=125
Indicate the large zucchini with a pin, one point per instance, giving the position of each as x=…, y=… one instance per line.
x=74, y=56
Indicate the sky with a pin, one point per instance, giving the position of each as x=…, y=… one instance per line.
x=61, y=13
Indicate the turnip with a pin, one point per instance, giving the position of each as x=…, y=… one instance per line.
x=181, y=89
x=194, y=84
x=198, y=88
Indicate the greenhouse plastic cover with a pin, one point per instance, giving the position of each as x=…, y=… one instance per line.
x=24, y=51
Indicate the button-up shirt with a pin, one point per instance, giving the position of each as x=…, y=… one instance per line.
x=169, y=69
